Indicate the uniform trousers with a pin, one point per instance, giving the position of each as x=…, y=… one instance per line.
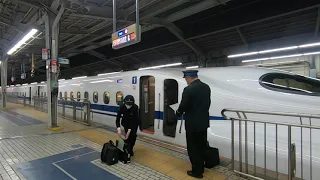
x=196, y=146
x=131, y=141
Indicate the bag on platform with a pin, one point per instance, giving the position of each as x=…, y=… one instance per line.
x=212, y=158
x=124, y=156
x=109, y=153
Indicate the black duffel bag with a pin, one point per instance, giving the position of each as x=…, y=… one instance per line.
x=109, y=153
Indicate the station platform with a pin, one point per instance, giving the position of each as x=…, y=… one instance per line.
x=29, y=150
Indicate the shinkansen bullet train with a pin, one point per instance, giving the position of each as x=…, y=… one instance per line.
x=245, y=88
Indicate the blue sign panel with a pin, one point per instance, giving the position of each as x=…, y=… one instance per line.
x=119, y=81
x=134, y=80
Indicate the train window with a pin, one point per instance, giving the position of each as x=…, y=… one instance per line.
x=41, y=93
x=65, y=95
x=95, y=97
x=71, y=96
x=119, y=97
x=86, y=95
x=295, y=84
x=60, y=95
x=106, y=97
x=45, y=94
x=78, y=96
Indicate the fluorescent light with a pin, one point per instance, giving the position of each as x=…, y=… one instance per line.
x=76, y=84
x=107, y=80
x=275, y=50
x=280, y=57
x=108, y=73
x=309, y=45
x=275, y=57
x=278, y=49
x=25, y=84
x=244, y=54
x=252, y=60
x=161, y=66
x=311, y=53
x=42, y=82
x=34, y=83
x=192, y=67
x=81, y=77
x=22, y=41
x=61, y=80
x=17, y=85
x=11, y=85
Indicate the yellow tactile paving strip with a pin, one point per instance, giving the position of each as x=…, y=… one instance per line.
x=164, y=163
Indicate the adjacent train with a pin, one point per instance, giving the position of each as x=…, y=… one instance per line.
x=231, y=87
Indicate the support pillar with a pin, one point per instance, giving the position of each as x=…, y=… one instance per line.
x=52, y=67
x=4, y=78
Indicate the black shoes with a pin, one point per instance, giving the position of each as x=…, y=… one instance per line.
x=199, y=176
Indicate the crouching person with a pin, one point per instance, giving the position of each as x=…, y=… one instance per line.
x=128, y=114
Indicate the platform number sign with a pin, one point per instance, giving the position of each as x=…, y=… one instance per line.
x=134, y=80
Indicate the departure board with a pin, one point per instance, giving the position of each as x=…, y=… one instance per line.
x=125, y=37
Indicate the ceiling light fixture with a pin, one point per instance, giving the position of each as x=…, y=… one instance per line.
x=280, y=57
x=22, y=41
x=192, y=67
x=275, y=50
x=81, y=77
x=161, y=66
x=107, y=80
x=104, y=74
x=34, y=83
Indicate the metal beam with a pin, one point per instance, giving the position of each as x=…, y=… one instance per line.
x=207, y=4
x=317, y=24
x=103, y=57
x=177, y=32
x=27, y=2
x=243, y=38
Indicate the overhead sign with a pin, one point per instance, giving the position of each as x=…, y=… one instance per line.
x=63, y=61
x=126, y=37
x=45, y=54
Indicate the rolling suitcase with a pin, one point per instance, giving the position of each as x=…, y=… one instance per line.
x=109, y=153
x=212, y=158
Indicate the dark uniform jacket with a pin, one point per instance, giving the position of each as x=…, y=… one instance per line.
x=130, y=117
x=195, y=103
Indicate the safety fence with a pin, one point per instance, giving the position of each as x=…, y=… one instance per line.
x=76, y=109
x=267, y=149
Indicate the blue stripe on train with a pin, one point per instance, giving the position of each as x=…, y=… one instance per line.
x=107, y=108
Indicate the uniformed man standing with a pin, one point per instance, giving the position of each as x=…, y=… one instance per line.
x=195, y=104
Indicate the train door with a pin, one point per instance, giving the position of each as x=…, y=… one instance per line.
x=169, y=117
x=147, y=103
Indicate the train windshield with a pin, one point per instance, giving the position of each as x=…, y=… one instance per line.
x=294, y=84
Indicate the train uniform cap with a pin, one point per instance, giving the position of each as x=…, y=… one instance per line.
x=190, y=73
x=129, y=100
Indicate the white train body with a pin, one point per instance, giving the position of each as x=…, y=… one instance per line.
x=231, y=87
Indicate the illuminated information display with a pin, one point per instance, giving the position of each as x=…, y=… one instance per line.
x=125, y=37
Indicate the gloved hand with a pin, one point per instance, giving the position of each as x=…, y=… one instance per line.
x=178, y=114
x=119, y=131
x=128, y=134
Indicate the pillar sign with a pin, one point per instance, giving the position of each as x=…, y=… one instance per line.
x=54, y=66
x=45, y=54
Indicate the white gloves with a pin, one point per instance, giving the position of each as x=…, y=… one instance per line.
x=119, y=131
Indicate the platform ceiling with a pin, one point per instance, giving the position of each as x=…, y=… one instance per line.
x=172, y=30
